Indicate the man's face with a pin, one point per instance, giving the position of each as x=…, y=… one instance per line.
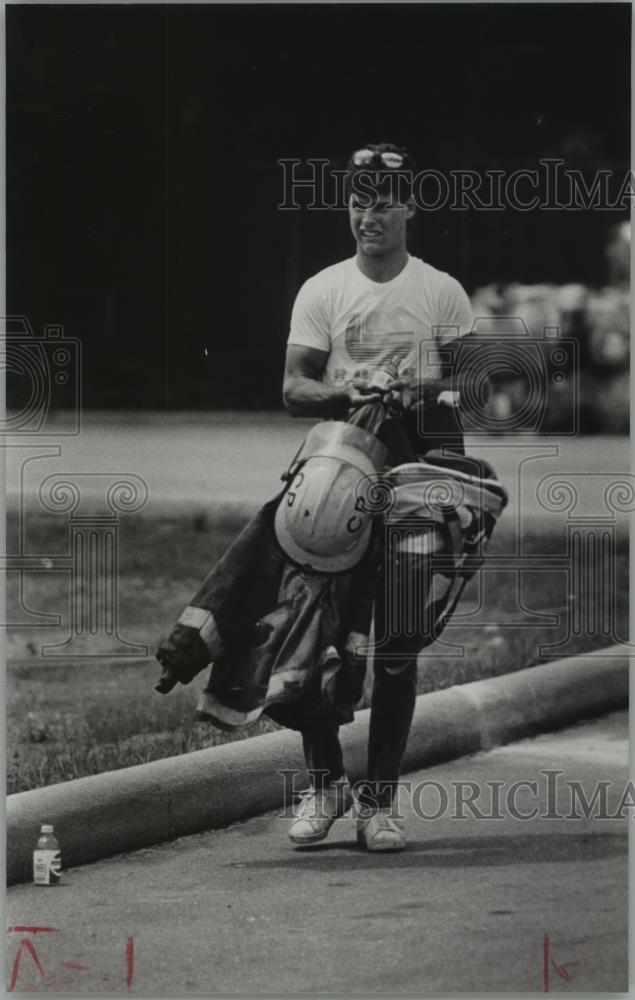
x=378, y=222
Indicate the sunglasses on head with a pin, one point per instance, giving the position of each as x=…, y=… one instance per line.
x=364, y=157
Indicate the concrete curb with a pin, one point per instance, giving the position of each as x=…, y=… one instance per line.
x=121, y=811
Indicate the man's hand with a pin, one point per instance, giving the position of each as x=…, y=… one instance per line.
x=361, y=392
x=410, y=392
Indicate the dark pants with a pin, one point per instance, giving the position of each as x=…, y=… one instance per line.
x=393, y=698
x=392, y=707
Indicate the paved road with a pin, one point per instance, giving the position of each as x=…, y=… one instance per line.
x=473, y=905
x=203, y=460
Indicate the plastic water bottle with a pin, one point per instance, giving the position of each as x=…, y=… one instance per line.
x=47, y=858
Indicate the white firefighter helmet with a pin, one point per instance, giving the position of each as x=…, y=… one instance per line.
x=321, y=522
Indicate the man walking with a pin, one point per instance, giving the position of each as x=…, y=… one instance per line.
x=381, y=309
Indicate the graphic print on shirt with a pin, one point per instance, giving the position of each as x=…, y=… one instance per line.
x=369, y=341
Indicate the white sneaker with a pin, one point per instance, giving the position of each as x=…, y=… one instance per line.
x=318, y=810
x=378, y=829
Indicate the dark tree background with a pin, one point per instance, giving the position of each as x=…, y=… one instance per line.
x=142, y=176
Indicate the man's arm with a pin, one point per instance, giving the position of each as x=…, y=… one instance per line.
x=463, y=370
x=452, y=379
x=461, y=380
x=305, y=395
x=461, y=377
x=461, y=359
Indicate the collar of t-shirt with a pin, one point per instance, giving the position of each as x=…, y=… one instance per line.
x=384, y=284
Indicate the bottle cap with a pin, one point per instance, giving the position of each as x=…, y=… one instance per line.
x=47, y=828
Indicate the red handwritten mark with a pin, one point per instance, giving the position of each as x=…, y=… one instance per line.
x=562, y=969
x=584, y=940
x=25, y=945
x=18, y=929
x=129, y=962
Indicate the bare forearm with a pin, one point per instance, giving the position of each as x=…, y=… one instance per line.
x=307, y=397
x=462, y=368
x=458, y=382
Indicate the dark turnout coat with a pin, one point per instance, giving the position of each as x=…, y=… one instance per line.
x=279, y=637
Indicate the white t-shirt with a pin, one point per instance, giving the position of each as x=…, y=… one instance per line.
x=363, y=324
